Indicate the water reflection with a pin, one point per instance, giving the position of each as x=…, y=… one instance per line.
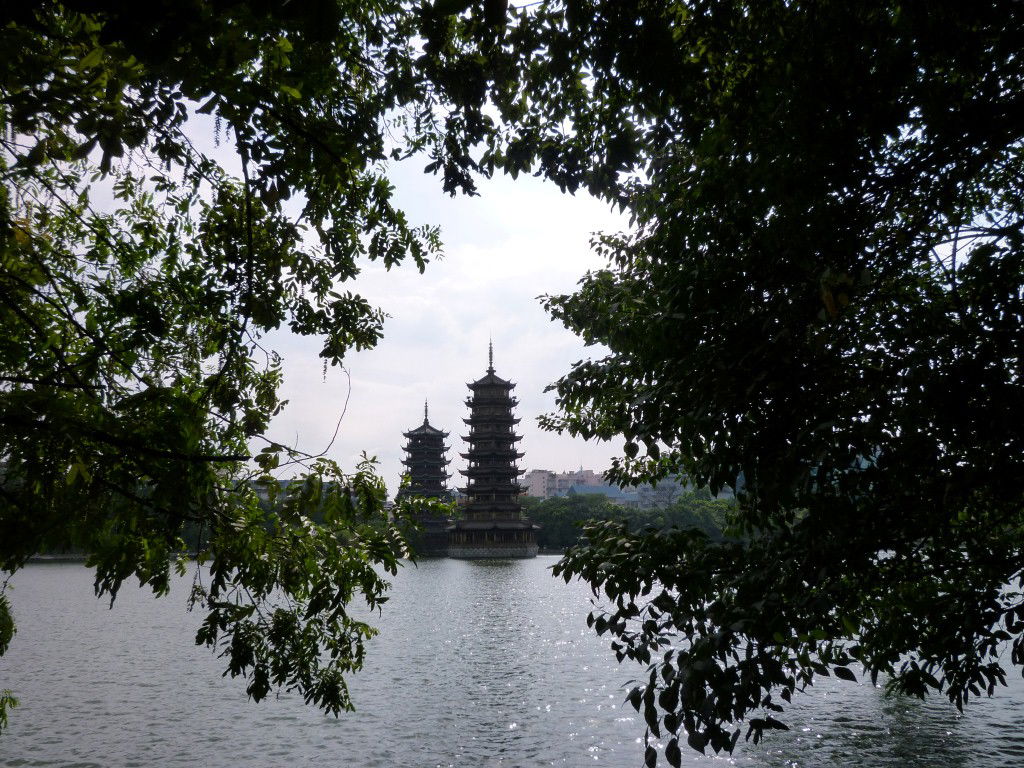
x=483, y=663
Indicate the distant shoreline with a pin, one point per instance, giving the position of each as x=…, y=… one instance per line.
x=72, y=557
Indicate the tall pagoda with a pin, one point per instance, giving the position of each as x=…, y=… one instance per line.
x=493, y=525
x=426, y=465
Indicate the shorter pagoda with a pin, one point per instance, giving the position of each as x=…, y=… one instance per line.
x=426, y=464
x=494, y=525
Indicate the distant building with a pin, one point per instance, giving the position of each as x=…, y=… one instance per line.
x=426, y=464
x=539, y=483
x=581, y=477
x=494, y=525
x=544, y=483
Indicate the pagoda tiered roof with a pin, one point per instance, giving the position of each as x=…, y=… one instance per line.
x=491, y=401
x=507, y=455
x=441, y=475
x=491, y=472
x=425, y=430
x=425, y=460
x=493, y=525
x=505, y=437
x=491, y=380
x=489, y=419
x=486, y=494
x=484, y=472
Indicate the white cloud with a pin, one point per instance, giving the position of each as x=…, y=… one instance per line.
x=517, y=240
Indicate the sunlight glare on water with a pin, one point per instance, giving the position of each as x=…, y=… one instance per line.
x=477, y=664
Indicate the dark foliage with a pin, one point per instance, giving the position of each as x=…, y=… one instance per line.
x=823, y=291
x=562, y=518
x=138, y=279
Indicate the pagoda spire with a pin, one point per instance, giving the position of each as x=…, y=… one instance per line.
x=490, y=355
x=426, y=420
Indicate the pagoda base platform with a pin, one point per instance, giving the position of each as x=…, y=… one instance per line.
x=500, y=539
x=431, y=540
x=493, y=552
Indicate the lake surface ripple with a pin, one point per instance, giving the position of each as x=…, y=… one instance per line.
x=477, y=664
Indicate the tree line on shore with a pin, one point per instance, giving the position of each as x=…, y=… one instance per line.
x=562, y=517
x=822, y=289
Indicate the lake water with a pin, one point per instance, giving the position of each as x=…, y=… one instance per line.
x=477, y=664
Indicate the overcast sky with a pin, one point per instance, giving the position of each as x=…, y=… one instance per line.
x=516, y=241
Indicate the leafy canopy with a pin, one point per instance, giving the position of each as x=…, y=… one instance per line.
x=823, y=295
x=561, y=518
x=139, y=276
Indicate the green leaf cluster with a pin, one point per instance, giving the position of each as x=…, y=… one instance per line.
x=820, y=304
x=140, y=275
